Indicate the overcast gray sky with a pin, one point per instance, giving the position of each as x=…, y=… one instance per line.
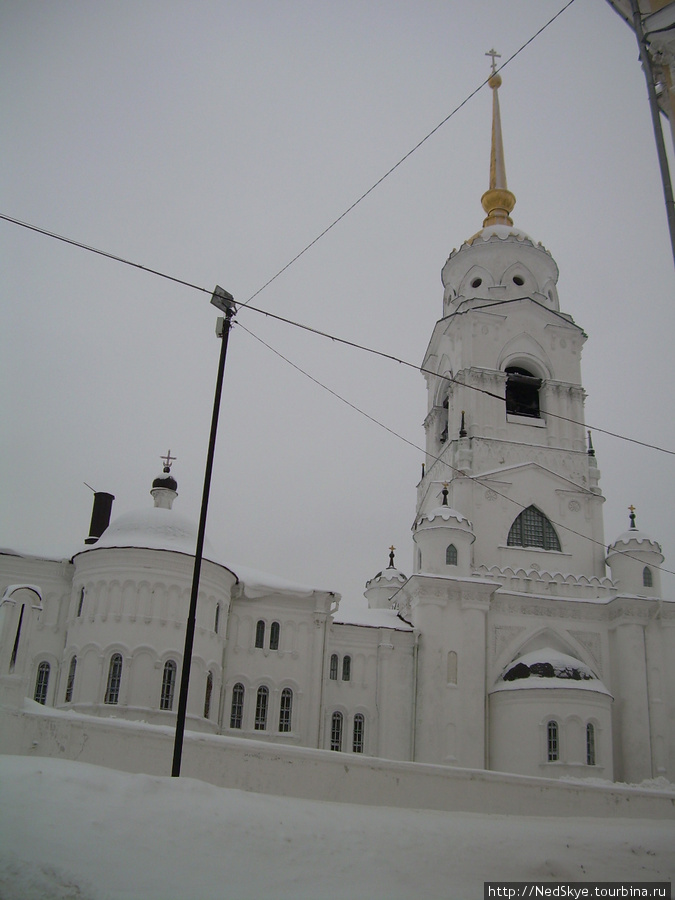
x=213, y=141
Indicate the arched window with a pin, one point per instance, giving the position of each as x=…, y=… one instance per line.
x=647, y=577
x=261, y=709
x=357, y=742
x=168, y=685
x=112, y=691
x=346, y=668
x=275, y=629
x=71, y=680
x=216, y=622
x=522, y=392
x=237, y=709
x=285, y=709
x=17, y=638
x=552, y=744
x=451, y=555
x=41, y=683
x=590, y=744
x=532, y=529
x=260, y=634
x=336, y=731
x=334, y=667
x=207, y=695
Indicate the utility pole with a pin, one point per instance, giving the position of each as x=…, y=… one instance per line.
x=656, y=120
x=224, y=302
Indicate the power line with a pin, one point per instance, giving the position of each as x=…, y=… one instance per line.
x=474, y=478
x=332, y=337
x=408, y=154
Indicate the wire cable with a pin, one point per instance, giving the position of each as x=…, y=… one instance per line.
x=408, y=154
x=475, y=479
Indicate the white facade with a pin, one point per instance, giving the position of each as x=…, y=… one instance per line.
x=510, y=647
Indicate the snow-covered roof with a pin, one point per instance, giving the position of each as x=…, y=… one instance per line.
x=549, y=668
x=634, y=535
x=261, y=584
x=446, y=513
x=371, y=618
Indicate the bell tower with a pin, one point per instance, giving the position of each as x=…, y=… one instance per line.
x=505, y=420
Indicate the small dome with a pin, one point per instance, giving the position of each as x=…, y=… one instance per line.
x=165, y=481
x=153, y=529
x=634, y=536
x=388, y=576
x=447, y=513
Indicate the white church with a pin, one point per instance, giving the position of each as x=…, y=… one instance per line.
x=520, y=643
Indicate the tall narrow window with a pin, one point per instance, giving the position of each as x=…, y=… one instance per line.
x=260, y=634
x=80, y=602
x=532, y=529
x=553, y=748
x=336, y=731
x=17, y=638
x=647, y=577
x=216, y=622
x=285, y=709
x=71, y=680
x=334, y=667
x=42, y=683
x=112, y=691
x=261, y=709
x=452, y=667
x=451, y=555
x=346, y=668
x=590, y=745
x=207, y=695
x=237, y=708
x=168, y=685
x=522, y=392
x=357, y=743
x=275, y=629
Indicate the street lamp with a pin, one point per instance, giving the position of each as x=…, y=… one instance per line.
x=223, y=301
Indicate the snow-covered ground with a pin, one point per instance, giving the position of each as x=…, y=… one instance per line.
x=73, y=830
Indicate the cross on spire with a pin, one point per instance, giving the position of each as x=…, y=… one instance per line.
x=494, y=55
x=391, y=557
x=168, y=459
x=632, y=515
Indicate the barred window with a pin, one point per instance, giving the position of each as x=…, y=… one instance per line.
x=41, y=683
x=275, y=629
x=647, y=577
x=237, y=708
x=357, y=743
x=261, y=709
x=112, y=691
x=451, y=555
x=346, y=668
x=590, y=744
x=71, y=680
x=207, y=695
x=285, y=709
x=260, y=634
x=553, y=748
x=532, y=529
x=168, y=685
x=336, y=731
x=334, y=667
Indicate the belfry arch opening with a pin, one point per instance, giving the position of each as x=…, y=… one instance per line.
x=522, y=392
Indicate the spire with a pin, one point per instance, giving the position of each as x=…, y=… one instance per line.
x=498, y=201
x=633, y=526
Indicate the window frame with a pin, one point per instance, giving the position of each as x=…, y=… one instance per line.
x=591, y=756
x=260, y=634
x=114, y=682
x=208, y=691
x=286, y=710
x=527, y=524
x=237, y=706
x=346, y=668
x=70, y=681
x=552, y=741
x=275, y=634
x=168, y=685
x=359, y=733
x=334, y=666
x=42, y=682
x=261, y=708
x=336, y=730
x=647, y=577
x=451, y=555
